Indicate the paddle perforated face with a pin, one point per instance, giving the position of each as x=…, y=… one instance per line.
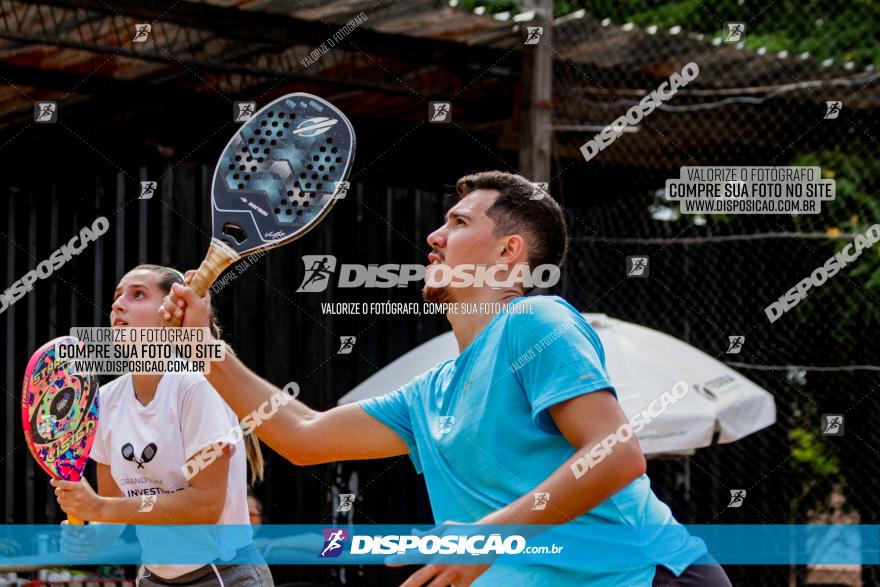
x=59, y=412
x=281, y=172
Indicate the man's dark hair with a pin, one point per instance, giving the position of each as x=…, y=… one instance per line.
x=517, y=211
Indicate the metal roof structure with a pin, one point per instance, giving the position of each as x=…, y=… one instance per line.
x=404, y=54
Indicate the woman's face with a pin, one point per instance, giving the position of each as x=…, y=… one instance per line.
x=137, y=299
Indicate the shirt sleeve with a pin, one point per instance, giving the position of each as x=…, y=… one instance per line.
x=203, y=417
x=556, y=355
x=393, y=410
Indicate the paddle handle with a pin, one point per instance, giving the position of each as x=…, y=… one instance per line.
x=75, y=521
x=219, y=257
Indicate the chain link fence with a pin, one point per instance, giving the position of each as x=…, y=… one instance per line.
x=759, y=100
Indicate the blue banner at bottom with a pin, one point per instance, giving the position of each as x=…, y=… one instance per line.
x=601, y=547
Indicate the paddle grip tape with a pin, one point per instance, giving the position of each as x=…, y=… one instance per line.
x=219, y=257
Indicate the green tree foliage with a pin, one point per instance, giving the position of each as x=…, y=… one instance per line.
x=844, y=31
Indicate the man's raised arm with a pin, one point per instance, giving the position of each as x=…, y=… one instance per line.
x=298, y=433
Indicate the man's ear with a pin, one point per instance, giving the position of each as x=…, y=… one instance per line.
x=513, y=250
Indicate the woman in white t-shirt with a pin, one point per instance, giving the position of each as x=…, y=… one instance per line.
x=149, y=428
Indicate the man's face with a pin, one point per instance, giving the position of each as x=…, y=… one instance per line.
x=465, y=238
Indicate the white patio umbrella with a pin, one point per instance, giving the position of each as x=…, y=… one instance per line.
x=642, y=364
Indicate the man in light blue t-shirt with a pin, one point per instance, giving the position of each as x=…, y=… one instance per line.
x=510, y=422
x=483, y=430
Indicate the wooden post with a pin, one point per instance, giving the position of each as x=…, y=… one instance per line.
x=12, y=353
x=537, y=94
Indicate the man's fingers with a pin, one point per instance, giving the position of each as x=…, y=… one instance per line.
x=174, y=300
x=81, y=546
x=171, y=307
x=164, y=310
x=188, y=276
x=442, y=580
x=418, y=578
x=185, y=293
x=77, y=541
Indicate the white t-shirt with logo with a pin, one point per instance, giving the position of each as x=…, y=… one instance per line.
x=147, y=446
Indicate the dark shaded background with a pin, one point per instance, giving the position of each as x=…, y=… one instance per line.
x=708, y=280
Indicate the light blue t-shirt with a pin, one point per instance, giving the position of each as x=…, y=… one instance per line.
x=480, y=431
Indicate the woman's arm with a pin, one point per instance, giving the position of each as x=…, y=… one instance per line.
x=107, y=486
x=200, y=503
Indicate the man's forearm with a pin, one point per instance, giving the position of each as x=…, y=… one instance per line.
x=245, y=392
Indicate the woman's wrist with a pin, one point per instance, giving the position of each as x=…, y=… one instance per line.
x=105, y=510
